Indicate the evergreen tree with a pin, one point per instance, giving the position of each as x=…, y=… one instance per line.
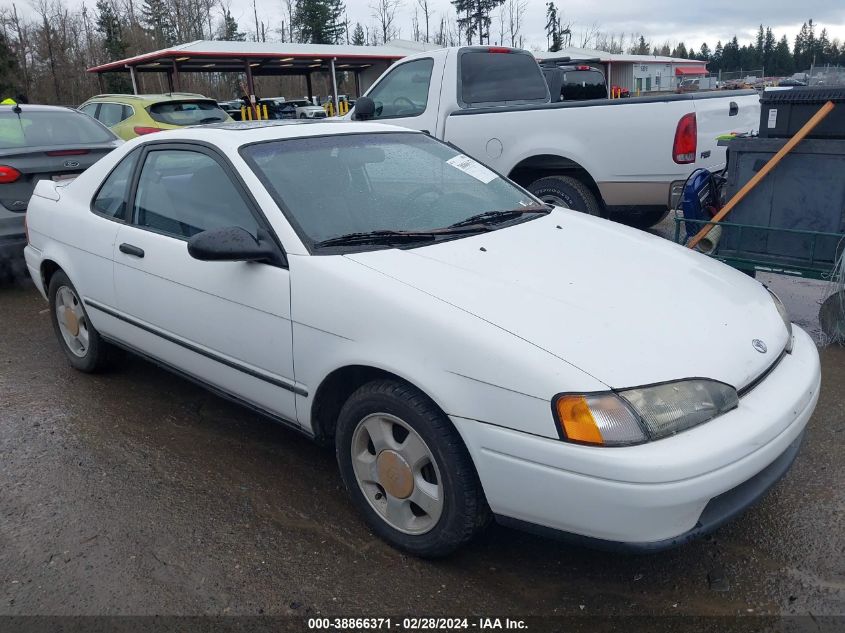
x=782, y=61
x=552, y=28
x=704, y=52
x=642, y=47
x=715, y=64
x=358, y=37
x=680, y=50
x=474, y=17
x=155, y=15
x=761, y=40
x=114, y=46
x=229, y=29
x=730, y=55
x=769, y=44
x=822, y=51
x=9, y=86
x=320, y=21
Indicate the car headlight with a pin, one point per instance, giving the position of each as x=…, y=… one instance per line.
x=786, y=320
x=635, y=416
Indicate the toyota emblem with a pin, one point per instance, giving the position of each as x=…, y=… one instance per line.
x=71, y=163
x=759, y=345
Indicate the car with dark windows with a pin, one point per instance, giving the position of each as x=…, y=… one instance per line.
x=39, y=142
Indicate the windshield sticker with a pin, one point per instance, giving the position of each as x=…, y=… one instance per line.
x=472, y=168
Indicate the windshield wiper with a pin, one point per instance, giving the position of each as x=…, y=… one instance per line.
x=394, y=237
x=495, y=217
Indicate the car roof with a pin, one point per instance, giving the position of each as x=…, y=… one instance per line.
x=34, y=107
x=230, y=136
x=127, y=98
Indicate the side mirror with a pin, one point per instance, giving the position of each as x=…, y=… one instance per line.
x=365, y=109
x=233, y=244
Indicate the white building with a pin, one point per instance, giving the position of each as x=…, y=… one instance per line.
x=641, y=74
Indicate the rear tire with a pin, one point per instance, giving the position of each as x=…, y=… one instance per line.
x=567, y=192
x=395, y=447
x=81, y=343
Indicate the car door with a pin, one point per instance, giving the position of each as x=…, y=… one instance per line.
x=406, y=96
x=225, y=323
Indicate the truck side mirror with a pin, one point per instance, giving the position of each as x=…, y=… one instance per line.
x=365, y=109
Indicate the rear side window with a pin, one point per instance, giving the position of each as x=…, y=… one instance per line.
x=111, y=198
x=112, y=113
x=579, y=85
x=187, y=112
x=90, y=109
x=50, y=128
x=497, y=78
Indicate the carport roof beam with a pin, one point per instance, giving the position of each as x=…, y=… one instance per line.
x=272, y=58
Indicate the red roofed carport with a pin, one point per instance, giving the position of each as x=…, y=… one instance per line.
x=265, y=59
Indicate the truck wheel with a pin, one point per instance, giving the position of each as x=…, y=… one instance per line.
x=407, y=470
x=566, y=192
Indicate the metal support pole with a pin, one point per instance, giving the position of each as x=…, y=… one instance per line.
x=357, y=83
x=176, y=84
x=309, y=87
x=609, y=77
x=170, y=82
x=334, y=86
x=134, y=79
x=250, y=88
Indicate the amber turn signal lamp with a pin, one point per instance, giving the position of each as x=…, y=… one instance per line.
x=576, y=420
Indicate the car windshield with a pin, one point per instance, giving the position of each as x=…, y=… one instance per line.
x=332, y=186
x=300, y=103
x=35, y=128
x=187, y=112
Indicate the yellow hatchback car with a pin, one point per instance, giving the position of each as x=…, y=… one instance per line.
x=129, y=116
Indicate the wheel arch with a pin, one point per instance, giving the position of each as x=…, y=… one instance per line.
x=336, y=388
x=48, y=268
x=530, y=169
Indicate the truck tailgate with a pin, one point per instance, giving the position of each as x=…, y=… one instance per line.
x=719, y=113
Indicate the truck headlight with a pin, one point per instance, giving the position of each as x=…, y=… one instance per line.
x=786, y=320
x=634, y=416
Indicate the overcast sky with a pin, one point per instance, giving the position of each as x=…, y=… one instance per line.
x=691, y=22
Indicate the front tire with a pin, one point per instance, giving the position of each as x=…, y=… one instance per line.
x=567, y=192
x=407, y=470
x=81, y=343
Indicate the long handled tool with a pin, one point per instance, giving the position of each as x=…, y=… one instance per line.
x=769, y=166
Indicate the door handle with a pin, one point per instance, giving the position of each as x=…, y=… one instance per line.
x=131, y=250
x=734, y=109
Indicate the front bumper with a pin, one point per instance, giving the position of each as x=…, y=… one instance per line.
x=658, y=494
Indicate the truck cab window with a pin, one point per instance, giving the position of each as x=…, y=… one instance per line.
x=500, y=78
x=403, y=92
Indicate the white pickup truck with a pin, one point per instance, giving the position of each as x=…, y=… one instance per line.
x=625, y=157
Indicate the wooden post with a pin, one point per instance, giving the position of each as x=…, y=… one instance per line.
x=768, y=167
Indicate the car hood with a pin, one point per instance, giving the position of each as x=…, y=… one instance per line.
x=625, y=306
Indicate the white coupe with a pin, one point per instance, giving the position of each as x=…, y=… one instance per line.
x=468, y=351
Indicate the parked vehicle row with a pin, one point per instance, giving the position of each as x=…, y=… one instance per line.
x=459, y=342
